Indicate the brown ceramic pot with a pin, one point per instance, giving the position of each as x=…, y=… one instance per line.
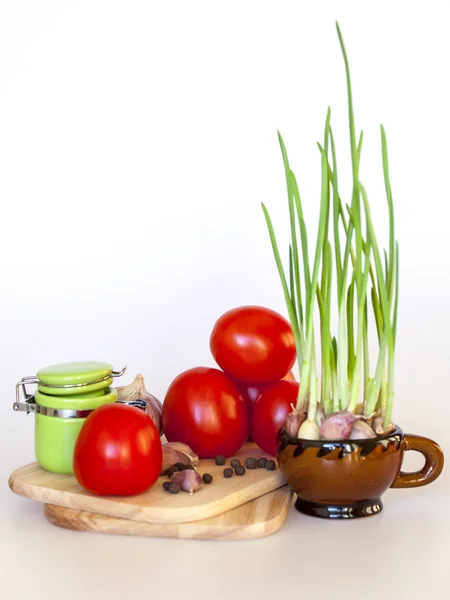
x=346, y=478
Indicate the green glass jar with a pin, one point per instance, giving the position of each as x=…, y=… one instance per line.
x=66, y=394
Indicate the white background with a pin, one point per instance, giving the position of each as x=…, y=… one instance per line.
x=137, y=140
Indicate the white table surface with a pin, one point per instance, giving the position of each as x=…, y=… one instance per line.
x=406, y=547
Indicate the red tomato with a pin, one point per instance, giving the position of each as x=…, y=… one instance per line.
x=270, y=411
x=251, y=392
x=204, y=409
x=253, y=344
x=118, y=451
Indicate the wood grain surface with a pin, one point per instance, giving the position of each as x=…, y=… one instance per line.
x=156, y=505
x=259, y=518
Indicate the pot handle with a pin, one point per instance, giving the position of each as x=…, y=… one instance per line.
x=434, y=462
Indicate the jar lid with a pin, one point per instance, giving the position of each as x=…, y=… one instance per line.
x=89, y=401
x=79, y=381
x=72, y=373
x=66, y=379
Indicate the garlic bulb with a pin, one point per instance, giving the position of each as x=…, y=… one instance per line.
x=136, y=391
x=337, y=426
x=174, y=452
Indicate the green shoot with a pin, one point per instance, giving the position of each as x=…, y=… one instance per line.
x=355, y=258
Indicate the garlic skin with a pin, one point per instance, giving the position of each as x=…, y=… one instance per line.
x=174, y=452
x=362, y=431
x=170, y=457
x=184, y=449
x=293, y=422
x=189, y=480
x=309, y=430
x=379, y=428
x=136, y=391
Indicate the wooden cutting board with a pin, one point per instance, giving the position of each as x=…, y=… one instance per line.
x=255, y=519
x=156, y=505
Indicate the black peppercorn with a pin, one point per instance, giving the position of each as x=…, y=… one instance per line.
x=181, y=466
x=207, y=478
x=239, y=470
x=251, y=463
x=173, y=487
x=171, y=470
x=166, y=485
x=270, y=465
x=220, y=460
x=262, y=462
x=235, y=463
x=227, y=472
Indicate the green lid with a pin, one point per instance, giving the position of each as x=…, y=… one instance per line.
x=75, y=391
x=88, y=401
x=74, y=372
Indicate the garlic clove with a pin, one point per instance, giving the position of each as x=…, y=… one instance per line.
x=136, y=391
x=174, y=452
x=170, y=457
x=293, y=422
x=185, y=453
x=189, y=480
x=309, y=430
x=362, y=431
x=337, y=426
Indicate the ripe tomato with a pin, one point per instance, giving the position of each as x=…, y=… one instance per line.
x=270, y=411
x=118, y=451
x=251, y=392
x=204, y=409
x=253, y=344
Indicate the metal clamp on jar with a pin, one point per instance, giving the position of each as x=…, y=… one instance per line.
x=66, y=394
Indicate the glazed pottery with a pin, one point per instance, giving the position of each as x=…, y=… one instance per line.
x=345, y=479
x=58, y=421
